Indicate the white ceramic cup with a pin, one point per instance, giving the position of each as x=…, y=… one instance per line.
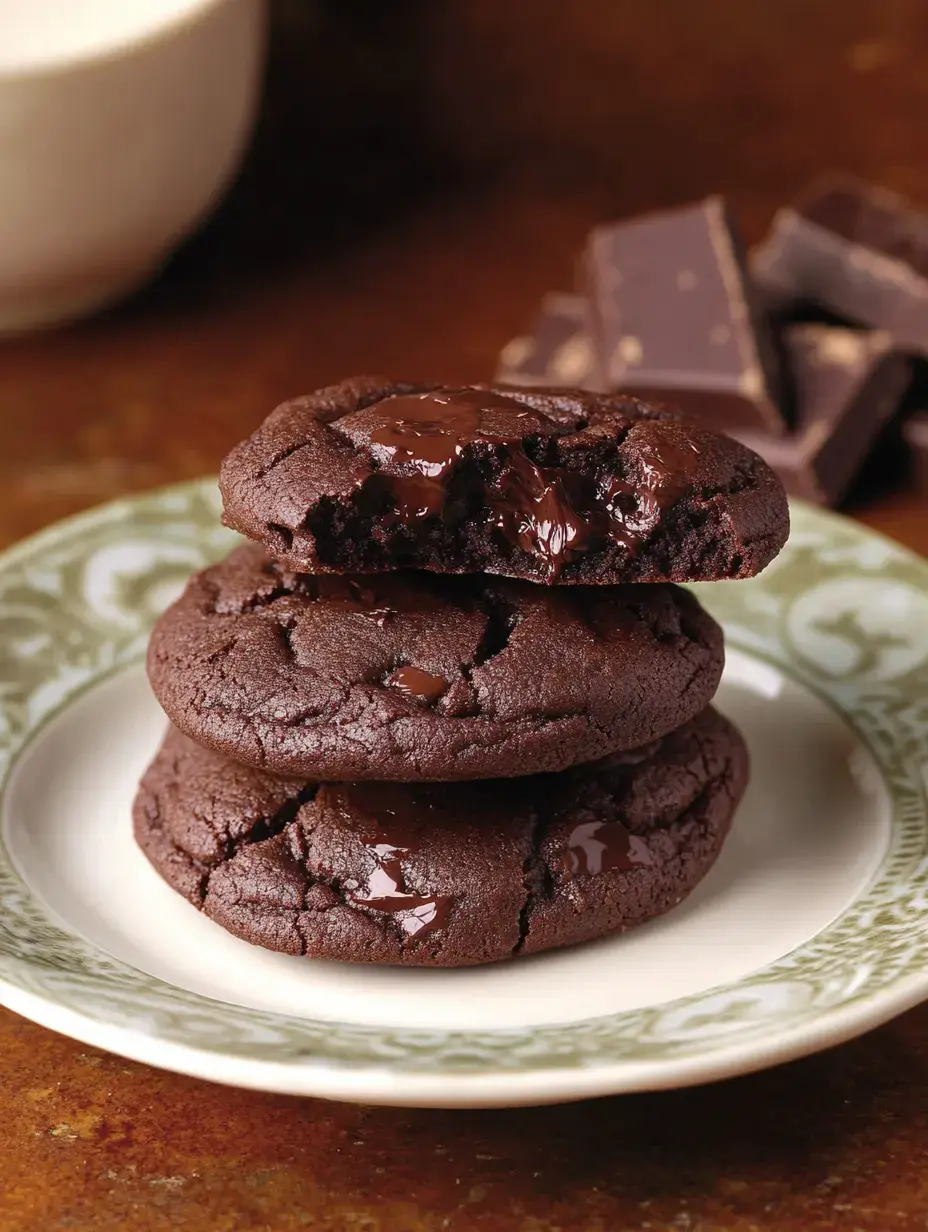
x=121, y=123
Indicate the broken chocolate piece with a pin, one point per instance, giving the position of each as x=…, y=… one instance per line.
x=558, y=349
x=675, y=318
x=848, y=384
x=859, y=251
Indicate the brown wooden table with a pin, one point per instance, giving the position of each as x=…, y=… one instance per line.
x=421, y=176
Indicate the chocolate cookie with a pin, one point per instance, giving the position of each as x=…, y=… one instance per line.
x=441, y=875
x=546, y=485
x=417, y=677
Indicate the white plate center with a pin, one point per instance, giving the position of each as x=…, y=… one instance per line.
x=810, y=834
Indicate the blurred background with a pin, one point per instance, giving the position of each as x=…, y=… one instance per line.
x=422, y=171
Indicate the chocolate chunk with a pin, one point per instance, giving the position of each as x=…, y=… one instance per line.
x=557, y=350
x=414, y=682
x=550, y=486
x=674, y=317
x=915, y=435
x=848, y=384
x=596, y=847
x=392, y=823
x=859, y=251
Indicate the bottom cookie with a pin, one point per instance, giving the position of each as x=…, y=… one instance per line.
x=442, y=875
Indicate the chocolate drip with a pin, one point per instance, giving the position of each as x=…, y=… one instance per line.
x=397, y=817
x=601, y=847
x=634, y=509
x=425, y=436
x=546, y=511
x=386, y=891
x=428, y=431
x=534, y=511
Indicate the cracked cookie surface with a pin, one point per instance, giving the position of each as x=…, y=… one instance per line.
x=413, y=677
x=546, y=485
x=442, y=874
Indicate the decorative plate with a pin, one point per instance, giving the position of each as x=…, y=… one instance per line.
x=812, y=927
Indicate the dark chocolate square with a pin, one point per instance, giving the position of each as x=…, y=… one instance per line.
x=675, y=318
x=557, y=350
x=859, y=251
x=848, y=385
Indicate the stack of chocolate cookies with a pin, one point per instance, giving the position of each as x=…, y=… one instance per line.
x=449, y=706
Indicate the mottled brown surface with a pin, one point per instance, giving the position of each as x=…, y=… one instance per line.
x=592, y=108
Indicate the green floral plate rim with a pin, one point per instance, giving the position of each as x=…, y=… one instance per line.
x=843, y=611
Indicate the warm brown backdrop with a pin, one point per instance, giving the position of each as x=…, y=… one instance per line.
x=422, y=173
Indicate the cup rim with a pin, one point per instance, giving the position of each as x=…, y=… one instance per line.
x=155, y=29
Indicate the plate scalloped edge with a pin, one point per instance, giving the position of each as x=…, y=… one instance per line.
x=843, y=610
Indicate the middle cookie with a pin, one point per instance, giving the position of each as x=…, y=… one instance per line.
x=415, y=677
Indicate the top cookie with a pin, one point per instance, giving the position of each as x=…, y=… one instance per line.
x=547, y=485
